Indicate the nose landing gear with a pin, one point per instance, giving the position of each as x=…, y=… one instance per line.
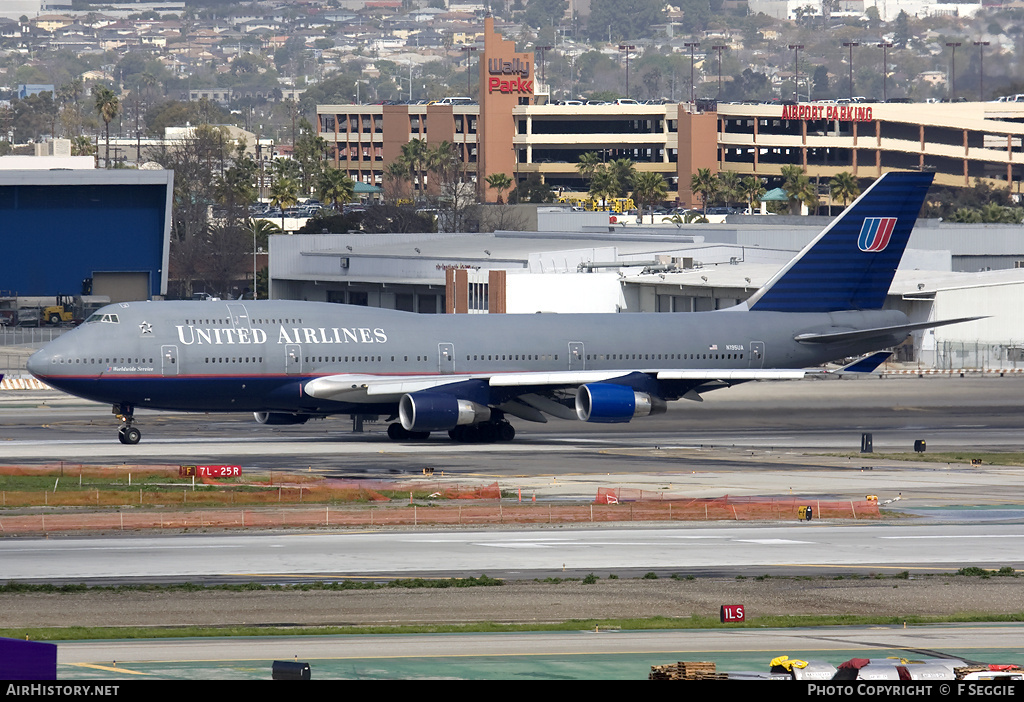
x=127, y=434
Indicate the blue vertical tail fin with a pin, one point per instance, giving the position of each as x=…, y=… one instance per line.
x=850, y=265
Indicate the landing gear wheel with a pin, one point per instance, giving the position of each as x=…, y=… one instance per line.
x=396, y=432
x=129, y=435
x=506, y=432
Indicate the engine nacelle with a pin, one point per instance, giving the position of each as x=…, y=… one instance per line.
x=429, y=411
x=280, y=418
x=609, y=404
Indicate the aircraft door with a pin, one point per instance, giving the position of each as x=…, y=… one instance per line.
x=292, y=359
x=577, y=361
x=756, y=354
x=446, y=358
x=169, y=360
x=239, y=316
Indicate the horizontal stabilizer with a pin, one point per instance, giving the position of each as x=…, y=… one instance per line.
x=877, y=332
x=867, y=364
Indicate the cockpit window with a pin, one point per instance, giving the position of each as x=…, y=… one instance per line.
x=109, y=318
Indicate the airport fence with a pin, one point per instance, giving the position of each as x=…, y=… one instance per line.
x=435, y=515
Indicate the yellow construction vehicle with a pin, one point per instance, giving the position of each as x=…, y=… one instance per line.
x=60, y=313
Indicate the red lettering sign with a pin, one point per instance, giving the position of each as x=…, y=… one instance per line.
x=732, y=613
x=840, y=113
x=517, y=85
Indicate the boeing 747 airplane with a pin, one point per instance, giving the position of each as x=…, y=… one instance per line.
x=289, y=361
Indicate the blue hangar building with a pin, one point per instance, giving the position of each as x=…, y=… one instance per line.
x=87, y=231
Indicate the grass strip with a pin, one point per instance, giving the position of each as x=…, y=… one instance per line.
x=651, y=623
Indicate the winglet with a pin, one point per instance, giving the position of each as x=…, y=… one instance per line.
x=850, y=265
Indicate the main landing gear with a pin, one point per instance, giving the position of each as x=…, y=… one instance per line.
x=127, y=434
x=482, y=433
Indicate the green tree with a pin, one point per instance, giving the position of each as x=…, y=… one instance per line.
x=705, y=184
x=541, y=13
x=792, y=182
x=108, y=107
x=284, y=193
x=649, y=189
x=499, y=182
x=414, y=158
x=532, y=189
x=843, y=187
x=821, y=83
x=589, y=163
x=603, y=185
x=334, y=186
x=628, y=20
x=901, y=31
x=805, y=193
x=752, y=190
x=623, y=172
x=729, y=186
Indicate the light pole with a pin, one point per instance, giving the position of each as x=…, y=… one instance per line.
x=851, y=44
x=952, y=68
x=796, y=70
x=981, y=69
x=469, y=74
x=719, y=48
x=884, y=46
x=691, y=45
x=543, y=78
x=627, y=48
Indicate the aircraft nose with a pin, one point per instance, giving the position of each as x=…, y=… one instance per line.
x=38, y=363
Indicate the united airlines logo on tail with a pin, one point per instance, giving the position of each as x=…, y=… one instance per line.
x=875, y=234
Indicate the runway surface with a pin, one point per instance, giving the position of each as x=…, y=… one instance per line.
x=521, y=553
x=574, y=655
x=759, y=439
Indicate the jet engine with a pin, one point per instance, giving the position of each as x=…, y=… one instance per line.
x=607, y=403
x=280, y=418
x=428, y=411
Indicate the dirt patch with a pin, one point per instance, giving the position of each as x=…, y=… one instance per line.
x=519, y=601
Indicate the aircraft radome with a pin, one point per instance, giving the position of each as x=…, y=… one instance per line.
x=289, y=361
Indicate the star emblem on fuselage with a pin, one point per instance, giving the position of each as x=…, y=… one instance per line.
x=146, y=328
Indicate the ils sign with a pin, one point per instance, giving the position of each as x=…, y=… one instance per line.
x=732, y=613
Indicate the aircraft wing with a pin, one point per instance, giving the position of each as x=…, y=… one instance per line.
x=376, y=388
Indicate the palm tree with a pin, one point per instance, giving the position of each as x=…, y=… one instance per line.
x=705, y=184
x=589, y=164
x=844, y=187
x=108, y=106
x=284, y=193
x=334, y=186
x=649, y=189
x=791, y=183
x=260, y=230
x=499, y=182
x=623, y=171
x=443, y=160
x=806, y=193
x=395, y=175
x=752, y=190
x=414, y=158
x=729, y=186
x=603, y=186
